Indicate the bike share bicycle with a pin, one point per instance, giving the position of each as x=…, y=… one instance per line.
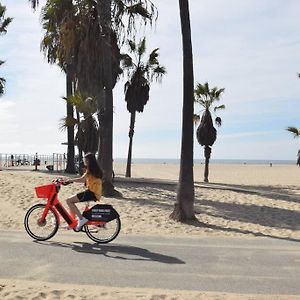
x=42, y=220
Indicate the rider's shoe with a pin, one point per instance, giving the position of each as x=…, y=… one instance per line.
x=81, y=222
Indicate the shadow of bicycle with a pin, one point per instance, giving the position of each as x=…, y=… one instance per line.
x=122, y=252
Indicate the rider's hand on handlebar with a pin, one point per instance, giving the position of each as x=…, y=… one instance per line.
x=67, y=182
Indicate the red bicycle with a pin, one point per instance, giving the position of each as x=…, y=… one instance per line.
x=42, y=220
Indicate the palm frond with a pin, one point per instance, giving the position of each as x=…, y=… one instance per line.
x=66, y=122
x=34, y=3
x=127, y=15
x=142, y=47
x=3, y=21
x=219, y=107
x=295, y=131
x=4, y=24
x=132, y=45
x=2, y=84
x=206, y=96
x=206, y=88
x=158, y=73
x=153, y=57
x=199, y=90
x=84, y=104
x=138, y=9
x=126, y=61
x=219, y=92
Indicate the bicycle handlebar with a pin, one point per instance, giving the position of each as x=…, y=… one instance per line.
x=60, y=181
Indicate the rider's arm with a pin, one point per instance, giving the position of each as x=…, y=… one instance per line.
x=77, y=180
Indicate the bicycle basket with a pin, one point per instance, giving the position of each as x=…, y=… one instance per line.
x=44, y=191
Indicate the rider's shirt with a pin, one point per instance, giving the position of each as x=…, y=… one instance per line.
x=94, y=184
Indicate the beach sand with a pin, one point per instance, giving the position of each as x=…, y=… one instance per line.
x=24, y=290
x=240, y=200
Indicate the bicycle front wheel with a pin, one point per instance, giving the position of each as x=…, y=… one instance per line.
x=104, y=234
x=37, y=229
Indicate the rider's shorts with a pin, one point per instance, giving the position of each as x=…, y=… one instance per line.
x=87, y=195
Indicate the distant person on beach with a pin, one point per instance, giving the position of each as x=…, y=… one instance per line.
x=92, y=178
x=298, y=160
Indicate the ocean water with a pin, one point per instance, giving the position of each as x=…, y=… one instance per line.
x=212, y=161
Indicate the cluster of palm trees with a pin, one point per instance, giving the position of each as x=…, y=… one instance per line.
x=4, y=22
x=84, y=38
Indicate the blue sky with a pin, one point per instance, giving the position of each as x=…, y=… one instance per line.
x=249, y=47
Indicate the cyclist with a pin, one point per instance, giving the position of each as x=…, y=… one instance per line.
x=93, y=181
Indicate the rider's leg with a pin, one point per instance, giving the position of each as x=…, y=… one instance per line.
x=71, y=203
x=73, y=208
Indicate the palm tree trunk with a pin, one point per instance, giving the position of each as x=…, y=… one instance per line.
x=184, y=206
x=207, y=152
x=131, y=133
x=100, y=104
x=70, y=168
x=80, y=155
x=104, y=11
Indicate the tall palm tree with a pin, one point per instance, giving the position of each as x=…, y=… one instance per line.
x=58, y=19
x=184, y=206
x=206, y=132
x=140, y=74
x=4, y=22
x=110, y=19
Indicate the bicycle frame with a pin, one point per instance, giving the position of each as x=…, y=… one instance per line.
x=58, y=208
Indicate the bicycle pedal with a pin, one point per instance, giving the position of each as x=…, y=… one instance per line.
x=81, y=230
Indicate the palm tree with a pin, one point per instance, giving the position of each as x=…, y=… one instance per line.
x=206, y=132
x=295, y=131
x=4, y=22
x=58, y=19
x=87, y=133
x=140, y=74
x=111, y=20
x=184, y=206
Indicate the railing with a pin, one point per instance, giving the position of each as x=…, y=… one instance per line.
x=56, y=160
x=59, y=162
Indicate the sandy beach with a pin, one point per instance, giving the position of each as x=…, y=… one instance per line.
x=240, y=200
x=21, y=289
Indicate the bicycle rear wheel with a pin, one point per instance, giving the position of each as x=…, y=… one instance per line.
x=104, y=234
x=40, y=231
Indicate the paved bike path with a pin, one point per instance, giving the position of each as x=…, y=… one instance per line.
x=237, y=265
